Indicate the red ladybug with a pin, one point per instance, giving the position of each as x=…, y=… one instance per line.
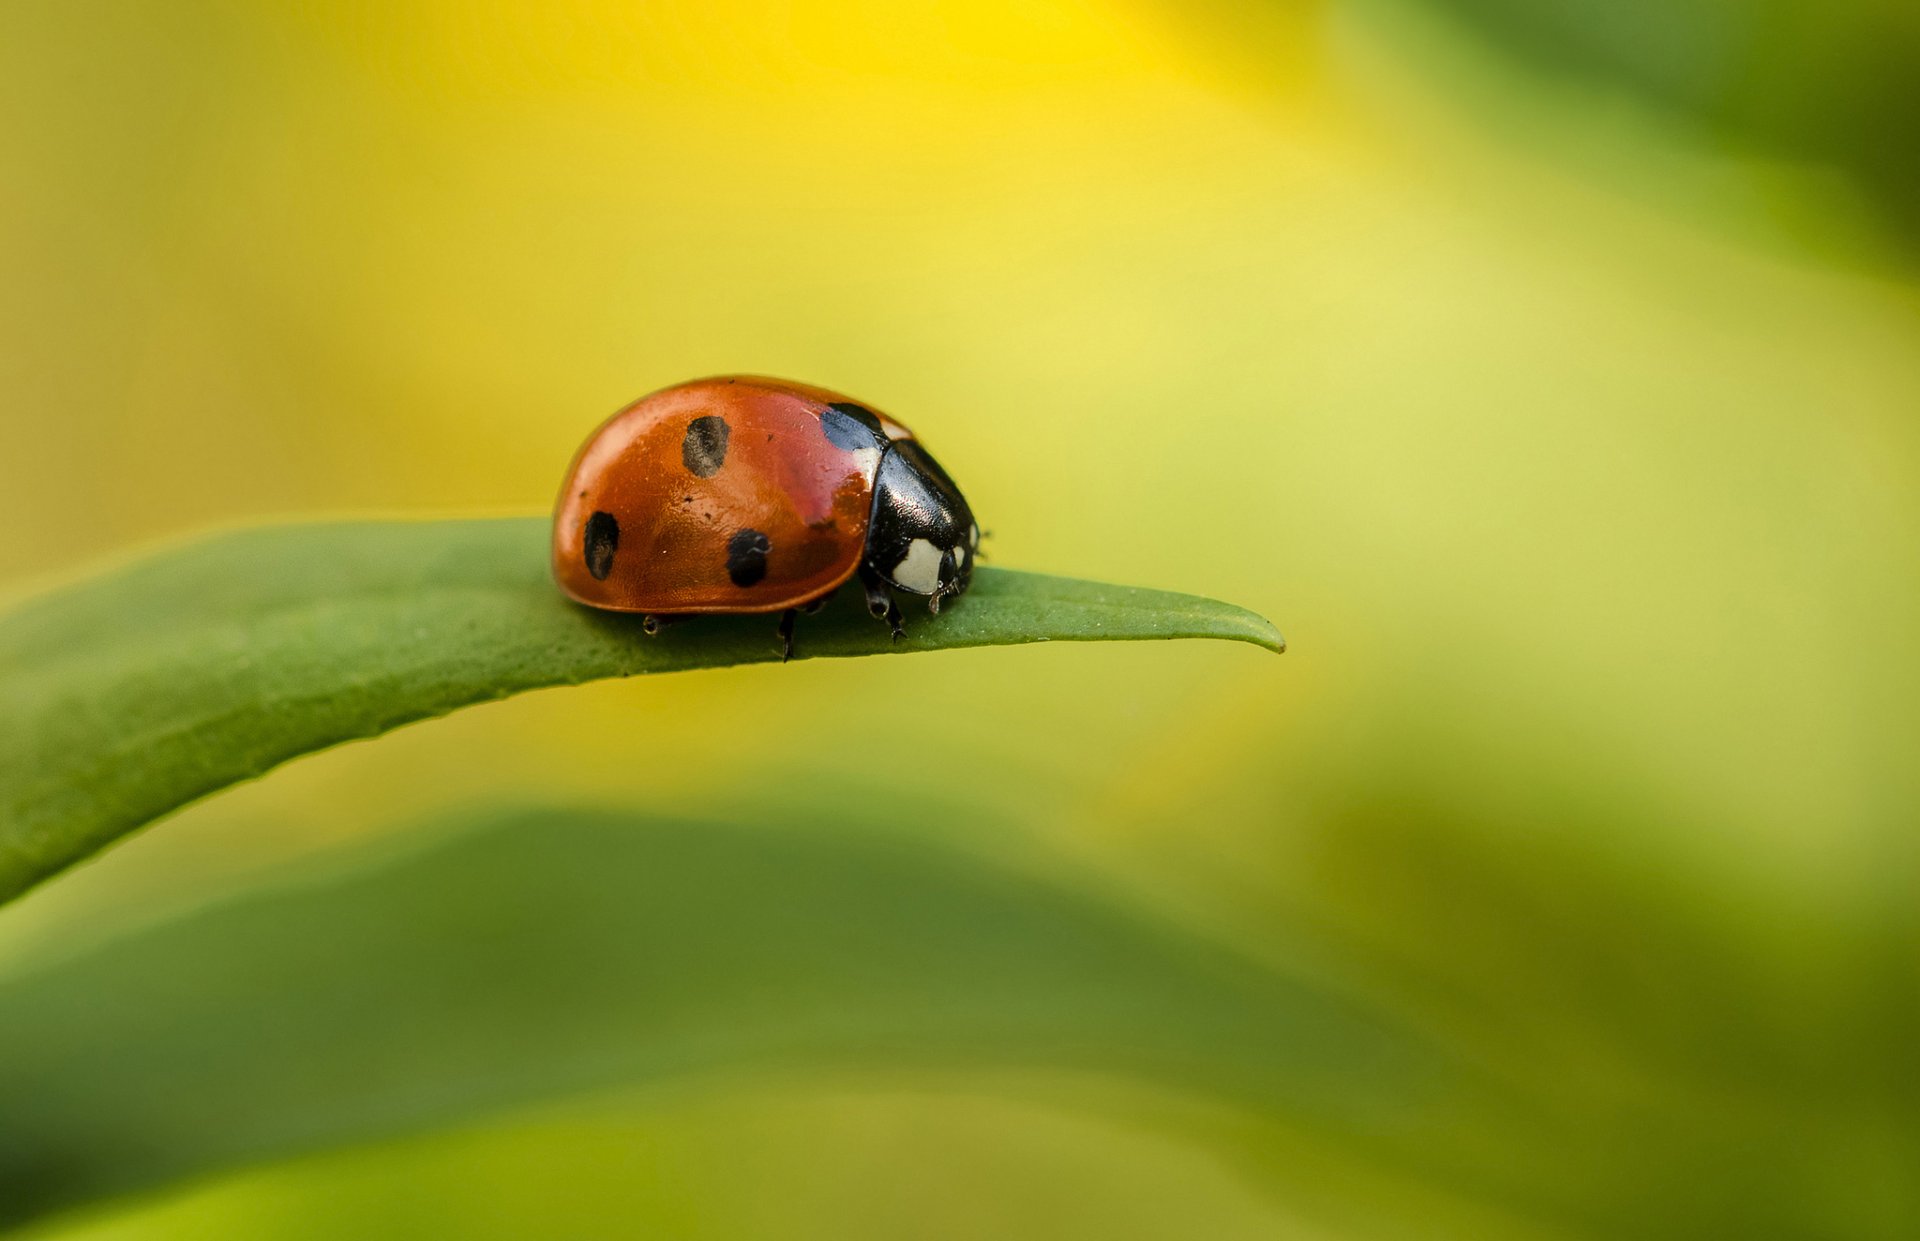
x=747, y=494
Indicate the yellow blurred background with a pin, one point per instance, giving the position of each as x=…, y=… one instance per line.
x=1560, y=413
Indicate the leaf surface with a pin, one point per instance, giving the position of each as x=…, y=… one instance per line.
x=133, y=693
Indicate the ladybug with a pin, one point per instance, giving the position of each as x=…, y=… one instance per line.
x=747, y=494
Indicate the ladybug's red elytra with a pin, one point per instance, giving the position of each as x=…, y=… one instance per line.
x=747, y=494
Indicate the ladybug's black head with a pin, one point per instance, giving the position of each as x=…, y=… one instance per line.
x=922, y=538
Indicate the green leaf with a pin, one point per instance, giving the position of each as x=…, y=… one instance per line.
x=551, y=953
x=134, y=693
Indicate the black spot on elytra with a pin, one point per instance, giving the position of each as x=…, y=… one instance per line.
x=603, y=538
x=852, y=427
x=704, y=450
x=747, y=557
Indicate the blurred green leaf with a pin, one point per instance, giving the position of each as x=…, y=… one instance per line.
x=131, y=694
x=554, y=952
x=1837, y=82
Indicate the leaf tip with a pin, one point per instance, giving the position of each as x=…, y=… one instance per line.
x=1260, y=631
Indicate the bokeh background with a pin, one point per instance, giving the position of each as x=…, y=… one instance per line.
x=1547, y=371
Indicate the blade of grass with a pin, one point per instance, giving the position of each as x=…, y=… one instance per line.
x=129, y=695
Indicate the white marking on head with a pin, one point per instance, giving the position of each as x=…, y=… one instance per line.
x=973, y=535
x=960, y=557
x=919, y=570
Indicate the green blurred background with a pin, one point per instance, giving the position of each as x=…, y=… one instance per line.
x=1548, y=372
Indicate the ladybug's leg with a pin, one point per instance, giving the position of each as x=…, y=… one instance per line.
x=786, y=633
x=787, y=619
x=651, y=625
x=880, y=602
